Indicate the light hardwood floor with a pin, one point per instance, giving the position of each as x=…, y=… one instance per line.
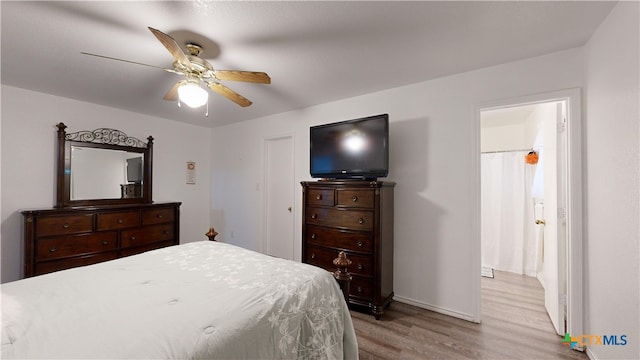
x=514, y=326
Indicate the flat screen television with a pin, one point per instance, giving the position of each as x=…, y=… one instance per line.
x=134, y=170
x=351, y=149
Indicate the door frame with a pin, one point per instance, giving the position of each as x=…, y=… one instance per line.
x=265, y=182
x=575, y=199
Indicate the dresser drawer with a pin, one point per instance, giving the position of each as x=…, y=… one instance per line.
x=145, y=248
x=118, y=220
x=146, y=235
x=64, y=246
x=346, y=219
x=323, y=257
x=342, y=239
x=63, y=225
x=361, y=288
x=320, y=197
x=62, y=264
x=355, y=198
x=158, y=216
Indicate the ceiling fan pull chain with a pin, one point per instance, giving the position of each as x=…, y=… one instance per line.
x=179, y=103
x=207, y=113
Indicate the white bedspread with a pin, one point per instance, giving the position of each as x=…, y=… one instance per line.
x=201, y=300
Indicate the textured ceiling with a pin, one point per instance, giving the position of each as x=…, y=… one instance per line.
x=315, y=52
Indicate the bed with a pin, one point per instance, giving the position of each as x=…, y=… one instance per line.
x=199, y=300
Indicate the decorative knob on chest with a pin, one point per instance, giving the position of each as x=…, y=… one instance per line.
x=313, y=256
x=354, y=198
x=318, y=197
x=66, y=226
x=360, y=243
x=314, y=216
x=313, y=236
x=361, y=221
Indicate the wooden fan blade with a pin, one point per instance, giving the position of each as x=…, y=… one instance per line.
x=172, y=95
x=131, y=62
x=172, y=46
x=229, y=94
x=246, y=76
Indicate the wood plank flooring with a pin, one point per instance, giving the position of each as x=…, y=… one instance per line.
x=514, y=326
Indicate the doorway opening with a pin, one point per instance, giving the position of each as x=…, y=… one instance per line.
x=538, y=205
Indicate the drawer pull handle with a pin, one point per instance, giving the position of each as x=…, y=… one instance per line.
x=313, y=256
x=119, y=221
x=318, y=197
x=359, y=289
x=360, y=266
x=53, y=249
x=132, y=238
x=66, y=226
x=166, y=232
x=361, y=221
x=360, y=244
x=313, y=236
x=354, y=198
x=105, y=242
x=314, y=216
x=159, y=216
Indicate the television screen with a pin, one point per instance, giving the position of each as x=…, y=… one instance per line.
x=134, y=170
x=352, y=149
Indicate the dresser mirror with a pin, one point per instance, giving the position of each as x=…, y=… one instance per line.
x=102, y=167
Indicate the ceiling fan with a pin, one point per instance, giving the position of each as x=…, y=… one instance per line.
x=198, y=71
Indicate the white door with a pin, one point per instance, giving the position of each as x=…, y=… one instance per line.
x=279, y=195
x=555, y=228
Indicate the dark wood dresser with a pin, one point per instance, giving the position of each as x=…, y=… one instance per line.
x=355, y=217
x=62, y=238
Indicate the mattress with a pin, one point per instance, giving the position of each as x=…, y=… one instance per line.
x=200, y=300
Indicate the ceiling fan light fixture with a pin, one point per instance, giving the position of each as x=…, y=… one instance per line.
x=192, y=94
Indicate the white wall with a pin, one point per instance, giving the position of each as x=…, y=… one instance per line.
x=613, y=182
x=431, y=150
x=28, y=162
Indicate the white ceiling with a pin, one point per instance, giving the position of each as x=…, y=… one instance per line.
x=315, y=52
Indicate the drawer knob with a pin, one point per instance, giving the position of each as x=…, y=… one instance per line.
x=360, y=266
x=53, y=249
x=361, y=221
x=313, y=256
x=132, y=238
x=359, y=289
x=119, y=221
x=313, y=236
x=66, y=226
x=105, y=242
x=159, y=216
x=166, y=232
x=318, y=197
x=354, y=198
x=360, y=243
x=314, y=216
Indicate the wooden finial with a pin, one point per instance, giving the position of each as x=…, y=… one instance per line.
x=342, y=274
x=212, y=234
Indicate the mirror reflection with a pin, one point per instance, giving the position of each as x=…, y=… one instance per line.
x=105, y=174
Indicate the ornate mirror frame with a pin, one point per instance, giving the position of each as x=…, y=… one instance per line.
x=103, y=138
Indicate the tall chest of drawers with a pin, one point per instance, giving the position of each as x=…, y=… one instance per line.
x=57, y=239
x=355, y=217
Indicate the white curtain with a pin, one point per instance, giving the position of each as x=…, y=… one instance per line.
x=507, y=220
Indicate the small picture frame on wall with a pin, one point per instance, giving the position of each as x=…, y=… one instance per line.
x=191, y=172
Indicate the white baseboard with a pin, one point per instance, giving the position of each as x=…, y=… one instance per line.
x=433, y=308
